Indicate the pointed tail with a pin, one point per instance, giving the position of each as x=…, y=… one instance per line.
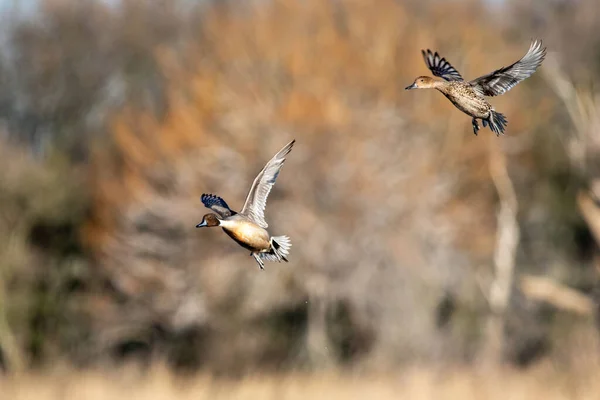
x=497, y=122
x=280, y=246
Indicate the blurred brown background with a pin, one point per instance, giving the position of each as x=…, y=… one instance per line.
x=414, y=241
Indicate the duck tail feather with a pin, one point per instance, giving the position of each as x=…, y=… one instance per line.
x=497, y=122
x=280, y=246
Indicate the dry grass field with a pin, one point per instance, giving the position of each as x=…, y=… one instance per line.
x=542, y=383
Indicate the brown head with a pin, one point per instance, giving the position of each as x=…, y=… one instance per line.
x=423, y=82
x=209, y=220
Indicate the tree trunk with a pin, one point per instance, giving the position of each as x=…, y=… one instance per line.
x=507, y=241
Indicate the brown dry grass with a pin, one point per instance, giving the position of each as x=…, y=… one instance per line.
x=542, y=383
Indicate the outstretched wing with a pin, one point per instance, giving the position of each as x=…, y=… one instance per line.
x=440, y=67
x=505, y=78
x=217, y=204
x=256, y=201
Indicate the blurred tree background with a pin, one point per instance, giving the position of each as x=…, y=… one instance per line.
x=414, y=241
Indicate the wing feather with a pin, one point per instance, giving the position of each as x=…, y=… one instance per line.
x=217, y=204
x=439, y=66
x=256, y=201
x=505, y=78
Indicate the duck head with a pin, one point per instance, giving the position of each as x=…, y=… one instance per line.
x=422, y=82
x=209, y=220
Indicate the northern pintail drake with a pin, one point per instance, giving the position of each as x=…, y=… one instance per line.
x=468, y=96
x=248, y=227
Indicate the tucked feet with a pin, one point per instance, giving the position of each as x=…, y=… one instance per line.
x=475, y=126
x=260, y=262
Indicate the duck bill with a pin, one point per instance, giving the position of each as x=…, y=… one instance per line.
x=409, y=87
x=202, y=224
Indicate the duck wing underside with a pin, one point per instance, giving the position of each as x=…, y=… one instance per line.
x=256, y=201
x=217, y=204
x=502, y=80
x=440, y=67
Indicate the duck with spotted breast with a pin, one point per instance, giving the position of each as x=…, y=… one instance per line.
x=468, y=96
x=248, y=227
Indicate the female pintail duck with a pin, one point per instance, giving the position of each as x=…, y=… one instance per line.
x=248, y=227
x=469, y=96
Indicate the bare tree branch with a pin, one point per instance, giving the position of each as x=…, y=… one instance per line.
x=507, y=241
x=544, y=289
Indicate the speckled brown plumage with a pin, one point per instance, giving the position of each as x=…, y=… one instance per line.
x=468, y=96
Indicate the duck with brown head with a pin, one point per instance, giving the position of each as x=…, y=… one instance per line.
x=468, y=96
x=423, y=82
x=248, y=227
x=209, y=220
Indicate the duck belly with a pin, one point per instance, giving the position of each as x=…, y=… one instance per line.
x=249, y=235
x=469, y=102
